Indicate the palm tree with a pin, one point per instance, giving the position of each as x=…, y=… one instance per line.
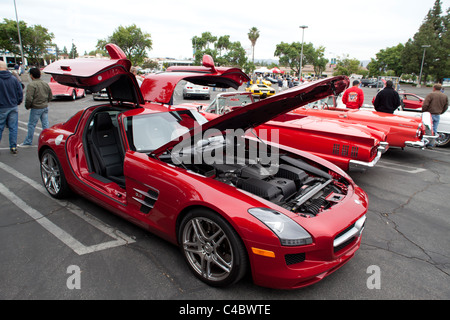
x=253, y=35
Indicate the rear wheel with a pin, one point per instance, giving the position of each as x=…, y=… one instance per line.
x=53, y=176
x=74, y=95
x=212, y=249
x=443, y=140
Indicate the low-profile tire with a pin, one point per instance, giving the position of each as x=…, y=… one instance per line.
x=212, y=248
x=74, y=95
x=444, y=140
x=53, y=176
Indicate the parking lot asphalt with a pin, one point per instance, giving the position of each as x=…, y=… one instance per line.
x=74, y=249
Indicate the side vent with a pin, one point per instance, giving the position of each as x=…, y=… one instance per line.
x=146, y=198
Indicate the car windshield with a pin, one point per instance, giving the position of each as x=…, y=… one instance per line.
x=148, y=132
x=328, y=101
x=224, y=104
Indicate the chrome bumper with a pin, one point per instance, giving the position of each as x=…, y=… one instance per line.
x=421, y=144
x=356, y=165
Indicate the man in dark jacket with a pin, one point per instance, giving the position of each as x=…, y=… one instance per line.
x=11, y=95
x=387, y=100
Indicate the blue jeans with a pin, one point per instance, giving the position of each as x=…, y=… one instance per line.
x=35, y=115
x=435, y=118
x=10, y=118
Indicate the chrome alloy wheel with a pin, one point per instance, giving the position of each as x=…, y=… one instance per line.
x=50, y=173
x=443, y=140
x=207, y=249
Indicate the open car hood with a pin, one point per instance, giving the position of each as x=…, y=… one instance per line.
x=96, y=74
x=255, y=114
x=159, y=87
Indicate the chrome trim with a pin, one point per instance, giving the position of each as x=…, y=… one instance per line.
x=426, y=139
x=416, y=144
x=362, y=165
x=384, y=146
x=355, y=231
x=148, y=200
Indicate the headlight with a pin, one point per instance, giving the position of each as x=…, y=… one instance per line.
x=287, y=230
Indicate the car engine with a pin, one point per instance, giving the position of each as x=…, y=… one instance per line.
x=294, y=184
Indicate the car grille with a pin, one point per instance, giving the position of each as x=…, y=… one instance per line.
x=349, y=234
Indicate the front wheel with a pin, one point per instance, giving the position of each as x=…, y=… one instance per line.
x=53, y=176
x=212, y=248
x=443, y=140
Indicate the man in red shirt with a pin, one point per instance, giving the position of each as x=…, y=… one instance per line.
x=353, y=97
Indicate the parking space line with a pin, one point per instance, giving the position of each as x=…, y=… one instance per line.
x=75, y=245
x=399, y=167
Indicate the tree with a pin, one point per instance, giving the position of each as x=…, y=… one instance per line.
x=318, y=60
x=35, y=40
x=388, y=59
x=73, y=52
x=132, y=40
x=289, y=55
x=253, y=35
x=223, y=51
x=434, y=33
x=346, y=66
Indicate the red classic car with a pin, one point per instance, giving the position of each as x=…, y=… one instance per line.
x=351, y=147
x=402, y=131
x=62, y=91
x=291, y=220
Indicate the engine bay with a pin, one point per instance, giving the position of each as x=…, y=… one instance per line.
x=292, y=183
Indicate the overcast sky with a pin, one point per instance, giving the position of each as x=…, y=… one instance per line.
x=358, y=28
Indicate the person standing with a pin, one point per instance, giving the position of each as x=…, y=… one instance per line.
x=387, y=100
x=353, y=97
x=11, y=95
x=139, y=79
x=435, y=103
x=37, y=97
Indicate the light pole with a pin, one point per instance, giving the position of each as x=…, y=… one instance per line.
x=301, y=53
x=421, y=67
x=20, y=38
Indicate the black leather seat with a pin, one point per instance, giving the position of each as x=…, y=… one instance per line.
x=106, y=151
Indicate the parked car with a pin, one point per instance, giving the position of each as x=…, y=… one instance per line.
x=261, y=90
x=365, y=82
x=191, y=90
x=349, y=146
x=411, y=101
x=61, y=91
x=402, y=131
x=376, y=84
x=100, y=95
x=290, y=223
x=442, y=136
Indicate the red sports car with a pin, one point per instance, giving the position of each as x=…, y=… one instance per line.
x=288, y=216
x=62, y=91
x=349, y=146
